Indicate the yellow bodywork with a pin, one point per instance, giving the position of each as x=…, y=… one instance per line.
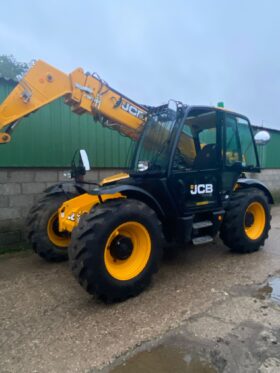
x=116, y=177
x=40, y=86
x=70, y=212
x=85, y=93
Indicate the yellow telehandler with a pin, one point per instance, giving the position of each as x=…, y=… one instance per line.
x=186, y=183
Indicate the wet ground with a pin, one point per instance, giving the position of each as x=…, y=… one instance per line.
x=240, y=334
x=165, y=359
x=207, y=311
x=274, y=291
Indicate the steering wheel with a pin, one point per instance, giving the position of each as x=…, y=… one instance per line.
x=179, y=162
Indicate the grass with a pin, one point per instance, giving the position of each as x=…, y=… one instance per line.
x=8, y=249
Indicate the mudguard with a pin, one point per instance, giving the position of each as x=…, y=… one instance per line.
x=66, y=187
x=256, y=184
x=132, y=192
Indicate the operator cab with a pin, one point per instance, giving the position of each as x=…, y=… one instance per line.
x=201, y=151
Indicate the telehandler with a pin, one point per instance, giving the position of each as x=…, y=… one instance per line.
x=186, y=183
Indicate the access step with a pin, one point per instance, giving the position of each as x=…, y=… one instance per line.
x=202, y=224
x=202, y=240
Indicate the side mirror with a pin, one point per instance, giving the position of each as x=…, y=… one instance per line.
x=172, y=105
x=84, y=160
x=79, y=165
x=262, y=137
x=143, y=166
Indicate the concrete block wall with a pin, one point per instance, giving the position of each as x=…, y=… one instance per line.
x=270, y=177
x=19, y=190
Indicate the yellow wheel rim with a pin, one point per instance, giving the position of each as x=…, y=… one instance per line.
x=254, y=221
x=57, y=238
x=137, y=254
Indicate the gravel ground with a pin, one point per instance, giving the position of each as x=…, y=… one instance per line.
x=49, y=324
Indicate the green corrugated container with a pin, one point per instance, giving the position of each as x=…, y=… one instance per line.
x=49, y=138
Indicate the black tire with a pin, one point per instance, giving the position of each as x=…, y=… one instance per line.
x=37, y=227
x=171, y=251
x=233, y=232
x=88, y=248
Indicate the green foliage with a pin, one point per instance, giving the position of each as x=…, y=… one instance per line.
x=14, y=248
x=10, y=68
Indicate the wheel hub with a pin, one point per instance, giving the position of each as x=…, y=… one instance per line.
x=121, y=247
x=249, y=219
x=255, y=220
x=60, y=239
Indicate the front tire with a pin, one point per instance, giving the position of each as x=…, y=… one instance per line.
x=116, y=249
x=247, y=221
x=42, y=228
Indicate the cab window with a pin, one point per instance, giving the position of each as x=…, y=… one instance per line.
x=196, y=148
x=239, y=142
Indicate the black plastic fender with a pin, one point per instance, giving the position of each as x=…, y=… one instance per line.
x=256, y=184
x=131, y=191
x=66, y=187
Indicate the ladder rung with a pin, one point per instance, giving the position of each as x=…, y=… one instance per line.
x=202, y=224
x=201, y=240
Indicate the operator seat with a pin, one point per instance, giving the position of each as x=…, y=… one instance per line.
x=206, y=158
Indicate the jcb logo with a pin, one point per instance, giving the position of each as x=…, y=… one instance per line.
x=201, y=189
x=132, y=110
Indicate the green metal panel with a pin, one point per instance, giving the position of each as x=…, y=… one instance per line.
x=49, y=137
x=269, y=154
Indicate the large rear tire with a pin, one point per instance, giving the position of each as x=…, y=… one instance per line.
x=42, y=228
x=247, y=221
x=116, y=249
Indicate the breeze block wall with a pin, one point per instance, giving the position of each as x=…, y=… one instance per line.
x=19, y=190
x=271, y=178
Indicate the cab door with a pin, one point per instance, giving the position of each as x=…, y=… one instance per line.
x=195, y=172
x=239, y=150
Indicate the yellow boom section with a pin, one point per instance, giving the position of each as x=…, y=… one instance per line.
x=83, y=92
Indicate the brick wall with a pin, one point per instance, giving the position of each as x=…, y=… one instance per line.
x=19, y=190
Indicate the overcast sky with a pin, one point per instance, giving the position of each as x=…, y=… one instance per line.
x=198, y=52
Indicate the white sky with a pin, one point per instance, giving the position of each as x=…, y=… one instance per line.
x=198, y=52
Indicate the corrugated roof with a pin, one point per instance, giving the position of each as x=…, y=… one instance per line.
x=265, y=128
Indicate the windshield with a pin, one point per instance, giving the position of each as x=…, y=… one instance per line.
x=153, y=149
